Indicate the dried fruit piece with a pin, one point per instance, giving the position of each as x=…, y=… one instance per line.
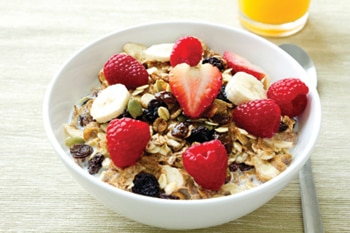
x=290, y=95
x=207, y=163
x=80, y=151
x=151, y=113
x=195, y=88
x=188, y=50
x=126, y=140
x=124, y=69
x=146, y=184
x=259, y=117
x=215, y=61
x=200, y=134
x=95, y=163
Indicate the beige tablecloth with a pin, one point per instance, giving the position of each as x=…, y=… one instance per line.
x=36, y=37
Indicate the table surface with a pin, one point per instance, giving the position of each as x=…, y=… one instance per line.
x=36, y=37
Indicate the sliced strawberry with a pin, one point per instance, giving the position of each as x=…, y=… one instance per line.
x=195, y=87
x=238, y=63
x=188, y=50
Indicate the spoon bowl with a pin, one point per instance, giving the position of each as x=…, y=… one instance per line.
x=303, y=58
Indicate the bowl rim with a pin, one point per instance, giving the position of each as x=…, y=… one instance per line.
x=298, y=162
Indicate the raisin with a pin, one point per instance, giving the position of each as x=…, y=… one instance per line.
x=222, y=94
x=125, y=114
x=244, y=167
x=283, y=127
x=151, y=113
x=221, y=119
x=169, y=197
x=241, y=166
x=166, y=96
x=95, y=163
x=215, y=61
x=200, y=134
x=180, y=130
x=233, y=167
x=85, y=119
x=146, y=184
x=80, y=151
x=225, y=139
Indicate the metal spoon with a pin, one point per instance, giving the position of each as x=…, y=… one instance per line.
x=311, y=210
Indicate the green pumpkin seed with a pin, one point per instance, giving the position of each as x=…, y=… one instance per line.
x=70, y=141
x=134, y=108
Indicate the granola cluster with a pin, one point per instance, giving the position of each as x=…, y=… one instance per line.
x=252, y=160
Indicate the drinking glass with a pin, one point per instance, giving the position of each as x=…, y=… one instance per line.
x=274, y=18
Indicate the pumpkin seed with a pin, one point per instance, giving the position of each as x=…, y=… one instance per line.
x=70, y=141
x=134, y=108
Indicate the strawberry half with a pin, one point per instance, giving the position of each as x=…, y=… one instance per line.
x=188, y=50
x=195, y=88
x=238, y=63
x=126, y=140
x=207, y=164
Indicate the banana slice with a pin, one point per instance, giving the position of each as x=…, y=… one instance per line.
x=243, y=87
x=159, y=52
x=135, y=50
x=110, y=103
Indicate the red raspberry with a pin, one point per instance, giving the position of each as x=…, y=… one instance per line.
x=124, y=69
x=290, y=95
x=126, y=140
x=207, y=164
x=188, y=50
x=259, y=117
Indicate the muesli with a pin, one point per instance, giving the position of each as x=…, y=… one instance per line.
x=176, y=125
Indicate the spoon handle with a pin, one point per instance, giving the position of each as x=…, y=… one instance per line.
x=311, y=211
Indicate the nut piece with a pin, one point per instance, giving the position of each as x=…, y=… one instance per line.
x=171, y=179
x=264, y=170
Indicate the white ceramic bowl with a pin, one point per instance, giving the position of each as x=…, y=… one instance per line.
x=78, y=75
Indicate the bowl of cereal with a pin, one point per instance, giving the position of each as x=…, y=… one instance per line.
x=182, y=125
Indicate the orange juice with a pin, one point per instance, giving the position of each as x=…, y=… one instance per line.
x=273, y=13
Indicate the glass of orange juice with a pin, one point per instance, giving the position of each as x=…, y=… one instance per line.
x=275, y=18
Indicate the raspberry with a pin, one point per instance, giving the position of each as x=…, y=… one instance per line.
x=126, y=140
x=290, y=95
x=259, y=117
x=188, y=50
x=124, y=69
x=207, y=164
